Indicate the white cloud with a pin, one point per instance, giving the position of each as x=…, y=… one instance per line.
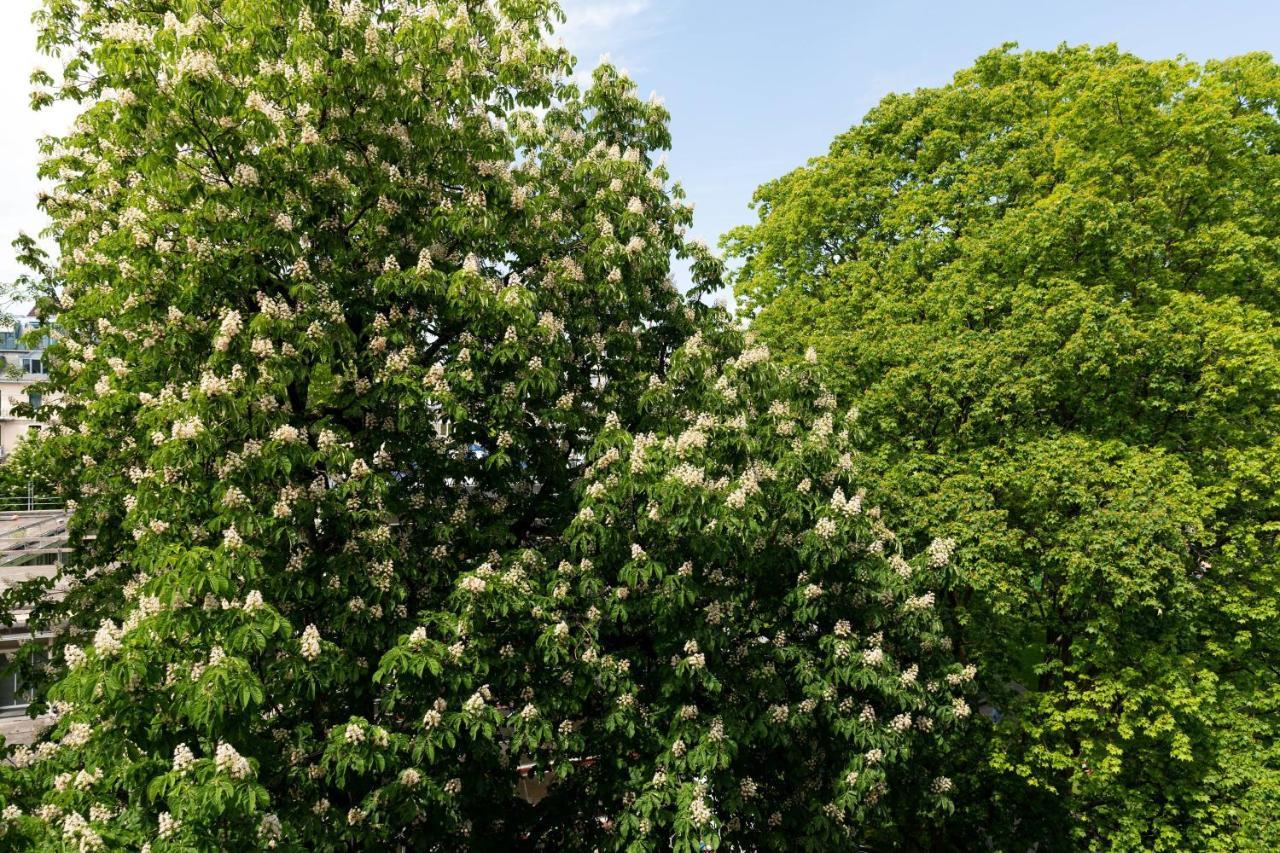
x=594, y=27
x=591, y=15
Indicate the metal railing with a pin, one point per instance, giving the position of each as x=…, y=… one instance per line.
x=31, y=501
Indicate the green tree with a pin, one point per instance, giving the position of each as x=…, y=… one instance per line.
x=398, y=468
x=731, y=648
x=24, y=475
x=1051, y=288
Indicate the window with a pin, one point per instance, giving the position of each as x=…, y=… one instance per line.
x=34, y=399
x=32, y=365
x=13, y=694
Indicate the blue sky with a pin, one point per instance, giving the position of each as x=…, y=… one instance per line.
x=755, y=87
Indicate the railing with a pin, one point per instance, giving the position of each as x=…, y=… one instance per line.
x=33, y=531
x=31, y=501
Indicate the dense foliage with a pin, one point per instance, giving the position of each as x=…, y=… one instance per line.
x=735, y=648
x=398, y=468
x=1052, y=288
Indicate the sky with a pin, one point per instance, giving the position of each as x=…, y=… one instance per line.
x=755, y=87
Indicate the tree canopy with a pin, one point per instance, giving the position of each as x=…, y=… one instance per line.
x=399, y=470
x=1051, y=287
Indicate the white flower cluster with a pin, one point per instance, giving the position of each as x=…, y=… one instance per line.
x=749, y=485
x=270, y=830
x=919, y=602
x=213, y=385
x=106, y=642
x=79, y=835
x=965, y=675
x=901, y=567
x=286, y=434
x=74, y=656
x=310, y=643
x=940, y=551
x=229, y=327
x=128, y=32
x=168, y=825
x=753, y=356
x=846, y=506
x=255, y=101
x=688, y=475
x=77, y=735
x=187, y=428
x=231, y=762
x=699, y=812
x=182, y=758
x=695, y=658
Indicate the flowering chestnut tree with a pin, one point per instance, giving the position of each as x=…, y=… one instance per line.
x=724, y=646
x=398, y=468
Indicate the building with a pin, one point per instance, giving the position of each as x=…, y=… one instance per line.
x=33, y=543
x=22, y=365
x=32, y=528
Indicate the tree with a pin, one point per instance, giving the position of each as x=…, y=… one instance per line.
x=731, y=648
x=1051, y=290
x=23, y=475
x=361, y=308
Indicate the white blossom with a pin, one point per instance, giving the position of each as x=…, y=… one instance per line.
x=229, y=761
x=106, y=642
x=73, y=655
x=182, y=758
x=940, y=551
x=168, y=824
x=198, y=64
x=310, y=643
x=229, y=327
x=77, y=735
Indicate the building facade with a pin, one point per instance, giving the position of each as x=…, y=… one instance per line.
x=23, y=365
x=33, y=544
x=32, y=529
